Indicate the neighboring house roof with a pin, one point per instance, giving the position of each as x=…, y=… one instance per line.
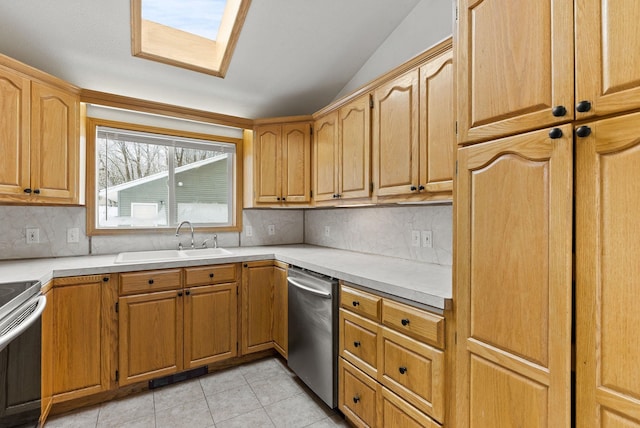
x=114, y=191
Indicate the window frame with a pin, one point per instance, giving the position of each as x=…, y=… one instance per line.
x=91, y=192
x=172, y=46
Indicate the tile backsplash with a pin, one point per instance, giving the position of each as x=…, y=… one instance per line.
x=384, y=230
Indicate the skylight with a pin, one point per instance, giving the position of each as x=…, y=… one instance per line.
x=196, y=34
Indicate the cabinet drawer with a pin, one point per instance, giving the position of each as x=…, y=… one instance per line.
x=397, y=413
x=360, y=302
x=359, y=342
x=209, y=275
x=414, y=322
x=358, y=396
x=414, y=371
x=149, y=281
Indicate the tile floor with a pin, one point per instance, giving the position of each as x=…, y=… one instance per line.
x=263, y=393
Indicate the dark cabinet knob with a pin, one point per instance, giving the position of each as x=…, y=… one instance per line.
x=105, y=279
x=583, y=131
x=151, y=282
x=356, y=303
x=356, y=399
x=179, y=293
x=284, y=199
x=413, y=188
x=421, y=187
x=583, y=106
x=405, y=321
x=188, y=292
x=558, y=111
x=555, y=133
x=402, y=370
x=245, y=265
x=278, y=198
x=27, y=190
x=211, y=275
x=356, y=343
x=37, y=191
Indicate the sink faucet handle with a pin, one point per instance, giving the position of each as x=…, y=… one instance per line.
x=204, y=243
x=180, y=246
x=215, y=240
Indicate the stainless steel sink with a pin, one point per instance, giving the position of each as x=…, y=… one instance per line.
x=166, y=255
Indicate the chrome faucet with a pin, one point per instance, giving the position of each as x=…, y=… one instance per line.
x=178, y=234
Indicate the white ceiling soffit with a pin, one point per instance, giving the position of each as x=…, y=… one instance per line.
x=293, y=56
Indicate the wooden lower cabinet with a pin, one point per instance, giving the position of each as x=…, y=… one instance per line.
x=47, y=354
x=386, y=378
x=80, y=346
x=280, y=308
x=257, y=306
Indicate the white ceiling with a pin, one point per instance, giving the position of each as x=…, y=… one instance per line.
x=293, y=56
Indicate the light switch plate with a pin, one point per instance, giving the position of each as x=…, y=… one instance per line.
x=32, y=235
x=248, y=230
x=327, y=231
x=415, y=238
x=73, y=235
x=427, y=239
x=271, y=229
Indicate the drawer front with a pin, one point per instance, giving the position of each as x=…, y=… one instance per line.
x=358, y=395
x=359, y=342
x=397, y=413
x=414, y=371
x=414, y=322
x=360, y=302
x=149, y=281
x=210, y=275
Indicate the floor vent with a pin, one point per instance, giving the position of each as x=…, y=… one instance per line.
x=178, y=377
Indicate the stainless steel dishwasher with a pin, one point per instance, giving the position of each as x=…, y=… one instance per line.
x=313, y=331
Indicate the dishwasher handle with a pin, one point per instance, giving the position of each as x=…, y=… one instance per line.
x=23, y=321
x=313, y=291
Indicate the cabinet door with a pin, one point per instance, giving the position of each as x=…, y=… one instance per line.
x=325, y=160
x=280, y=309
x=607, y=274
x=150, y=335
x=296, y=162
x=437, y=124
x=257, y=306
x=514, y=65
x=395, y=136
x=267, y=167
x=82, y=314
x=14, y=129
x=54, y=145
x=210, y=324
x=354, y=149
x=47, y=355
x=607, y=63
x=514, y=227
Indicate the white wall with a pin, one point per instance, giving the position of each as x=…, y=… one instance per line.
x=428, y=23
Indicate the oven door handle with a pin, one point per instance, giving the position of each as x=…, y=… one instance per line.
x=41, y=302
x=313, y=291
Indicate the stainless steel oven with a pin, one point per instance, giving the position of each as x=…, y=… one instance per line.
x=21, y=306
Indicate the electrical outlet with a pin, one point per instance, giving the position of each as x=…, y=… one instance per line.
x=415, y=238
x=33, y=235
x=327, y=231
x=271, y=229
x=73, y=235
x=427, y=239
x=248, y=230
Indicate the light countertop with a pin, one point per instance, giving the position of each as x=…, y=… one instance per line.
x=424, y=283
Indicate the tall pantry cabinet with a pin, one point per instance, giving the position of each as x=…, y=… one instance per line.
x=522, y=124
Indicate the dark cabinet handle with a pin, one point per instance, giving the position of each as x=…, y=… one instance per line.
x=555, y=133
x=105, y=279
x=583, y=106
x=211, y=275
x=421, y=187
x=558, y=111
x=356, y=399
x=402, y=370
x=356, y=303
x=27, y=190
x=356, y=343
x=245, y=265
x=405, y=321
x=413, y=188
x=583, y=131
x=188, y=292
x=151, y=282
x=179, y=293
x=37, y=191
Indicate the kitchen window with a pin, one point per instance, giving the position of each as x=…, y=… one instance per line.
x=148, y=179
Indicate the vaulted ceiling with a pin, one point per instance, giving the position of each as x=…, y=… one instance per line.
x=292, y=57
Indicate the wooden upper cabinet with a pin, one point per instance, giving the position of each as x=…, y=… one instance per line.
x=354, y=149
x=514, y=228
x=514, y=66
x=437, y=124
x=282, y=163
x=15, y=96
x=395, y=136
x=607, y=60
x=325, y=171
x=607, y=279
